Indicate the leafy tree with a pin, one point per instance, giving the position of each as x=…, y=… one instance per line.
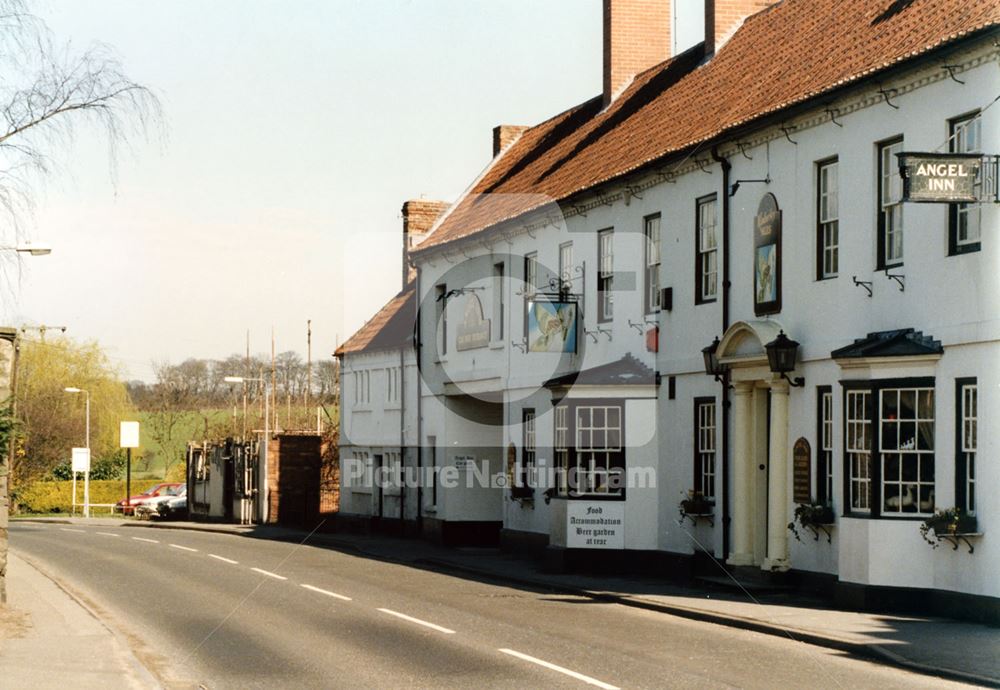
x=52, y=421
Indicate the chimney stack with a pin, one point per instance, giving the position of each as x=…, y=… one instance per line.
x=637, y=35
x=419, y=216
x=503, y=135
x=723, y=17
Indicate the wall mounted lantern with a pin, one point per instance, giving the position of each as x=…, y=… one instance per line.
x=713, y=367
x=781, y=358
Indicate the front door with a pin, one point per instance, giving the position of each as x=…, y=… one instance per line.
x=761, y=433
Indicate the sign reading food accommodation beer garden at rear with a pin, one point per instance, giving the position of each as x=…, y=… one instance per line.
x=767, y=257
x=940, y=177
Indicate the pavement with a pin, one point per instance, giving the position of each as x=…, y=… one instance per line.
x=47, y=633
x=941, y=647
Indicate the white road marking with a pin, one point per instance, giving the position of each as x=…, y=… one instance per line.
x=432, y=626
x=223, y=559
x=560, y=669
x=108, y=534
x=326, y=592
x=183, y=548
x=150, y=541
x=269, y=574
x=67, y=529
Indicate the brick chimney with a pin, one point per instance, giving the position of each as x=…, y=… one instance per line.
x=504, y=135
x=723, y=17
x=636, y=37
x=419, y=216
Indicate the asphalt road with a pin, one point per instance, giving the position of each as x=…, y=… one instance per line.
x=226, y=611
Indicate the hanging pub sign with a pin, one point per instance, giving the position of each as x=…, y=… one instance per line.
x=767, y=257
x=940, y=177
x=552, y=326
x=474, y=331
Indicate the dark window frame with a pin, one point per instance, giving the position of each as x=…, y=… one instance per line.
x=961, y=469
x=527, y=461
x=881, y=261
x=824, y=464
x=698, y=474
x=647, y=270
x=698, y=203
x=875, y=386
x=954, y=248
x=821, y=273
x=605, y=280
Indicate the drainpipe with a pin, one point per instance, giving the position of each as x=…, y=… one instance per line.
x=726, y=169
x=402, y=441
x=420, y=417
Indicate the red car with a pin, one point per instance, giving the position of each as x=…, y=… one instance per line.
x=164, y=489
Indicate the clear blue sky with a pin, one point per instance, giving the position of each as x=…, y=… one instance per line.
x=294, y=132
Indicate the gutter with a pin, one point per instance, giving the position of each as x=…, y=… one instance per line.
x=726, y=169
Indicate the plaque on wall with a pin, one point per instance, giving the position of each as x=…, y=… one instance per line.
x=802, y=472
x=474, y=330
x=767, y=257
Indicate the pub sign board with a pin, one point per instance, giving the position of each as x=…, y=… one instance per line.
x=767, y=257
x=474, y=330
x=801, y=471
x=940, y=177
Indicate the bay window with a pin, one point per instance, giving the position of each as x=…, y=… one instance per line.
x=589, y=449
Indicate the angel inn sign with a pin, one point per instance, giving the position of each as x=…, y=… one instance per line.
x=942, y=177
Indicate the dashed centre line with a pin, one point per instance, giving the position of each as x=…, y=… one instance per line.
x=223, y=559
x=326, y=592
x=411, y=619
x=108, y=534
x=560, y=669
x=183, y=548
x=269, y=574
x=148, y=541
x=67, y=529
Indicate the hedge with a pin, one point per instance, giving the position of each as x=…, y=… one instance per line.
x=57, y=497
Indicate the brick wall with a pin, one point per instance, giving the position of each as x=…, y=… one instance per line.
x=723, y=17
x=419, y=216
x=637, y=35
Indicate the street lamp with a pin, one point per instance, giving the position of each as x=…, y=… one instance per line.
x=33, y=249
x=86, y=475
x=713, y=367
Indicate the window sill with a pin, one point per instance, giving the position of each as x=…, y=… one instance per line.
x=700, y=302
x=962, y=250
x=498, y=345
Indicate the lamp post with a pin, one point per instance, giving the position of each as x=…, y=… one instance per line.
x=86, y=475
x=267, y=434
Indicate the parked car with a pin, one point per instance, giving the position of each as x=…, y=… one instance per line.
x=162, y=489
x=152, y=507
x=173, y=508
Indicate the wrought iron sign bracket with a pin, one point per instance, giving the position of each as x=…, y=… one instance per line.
x=956, y=539
x=458, y=291
x=522, y=345
x=636, y=325
x=665, y=176
x=580, y=210
x=899, y=278
x=604, y=198
x=607, y=332
x=702, y=166
x=785, y=130
x=951, y=73
x=834, y=113
x=592, y=334
x=866, y=284
x=743, y=150
x=887, y=94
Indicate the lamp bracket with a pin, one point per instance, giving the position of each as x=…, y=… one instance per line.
x=899, y=278
x=866, y=284
x=797, y=382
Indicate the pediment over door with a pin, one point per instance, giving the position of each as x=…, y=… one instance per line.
x=742, y=345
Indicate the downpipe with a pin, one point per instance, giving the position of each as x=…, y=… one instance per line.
x=726, y=170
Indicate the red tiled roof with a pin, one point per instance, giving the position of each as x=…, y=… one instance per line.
x=782, y=56
x=391, y=327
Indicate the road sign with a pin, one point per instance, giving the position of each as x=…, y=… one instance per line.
x=81, y=460
x=129, y=435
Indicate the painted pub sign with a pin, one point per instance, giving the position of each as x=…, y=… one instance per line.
x=940, y=177
x=767, y=257
x=474, y=330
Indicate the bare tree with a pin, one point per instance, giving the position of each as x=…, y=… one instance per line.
x=48, y=94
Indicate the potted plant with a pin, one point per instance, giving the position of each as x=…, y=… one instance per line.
x=813, y=516
x=696, y=504
x=948, y=522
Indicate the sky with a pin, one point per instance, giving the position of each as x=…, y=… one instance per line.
x=292, y=134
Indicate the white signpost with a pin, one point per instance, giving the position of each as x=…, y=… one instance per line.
x=595, y=525
x=81, y=463
x=129, y=435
